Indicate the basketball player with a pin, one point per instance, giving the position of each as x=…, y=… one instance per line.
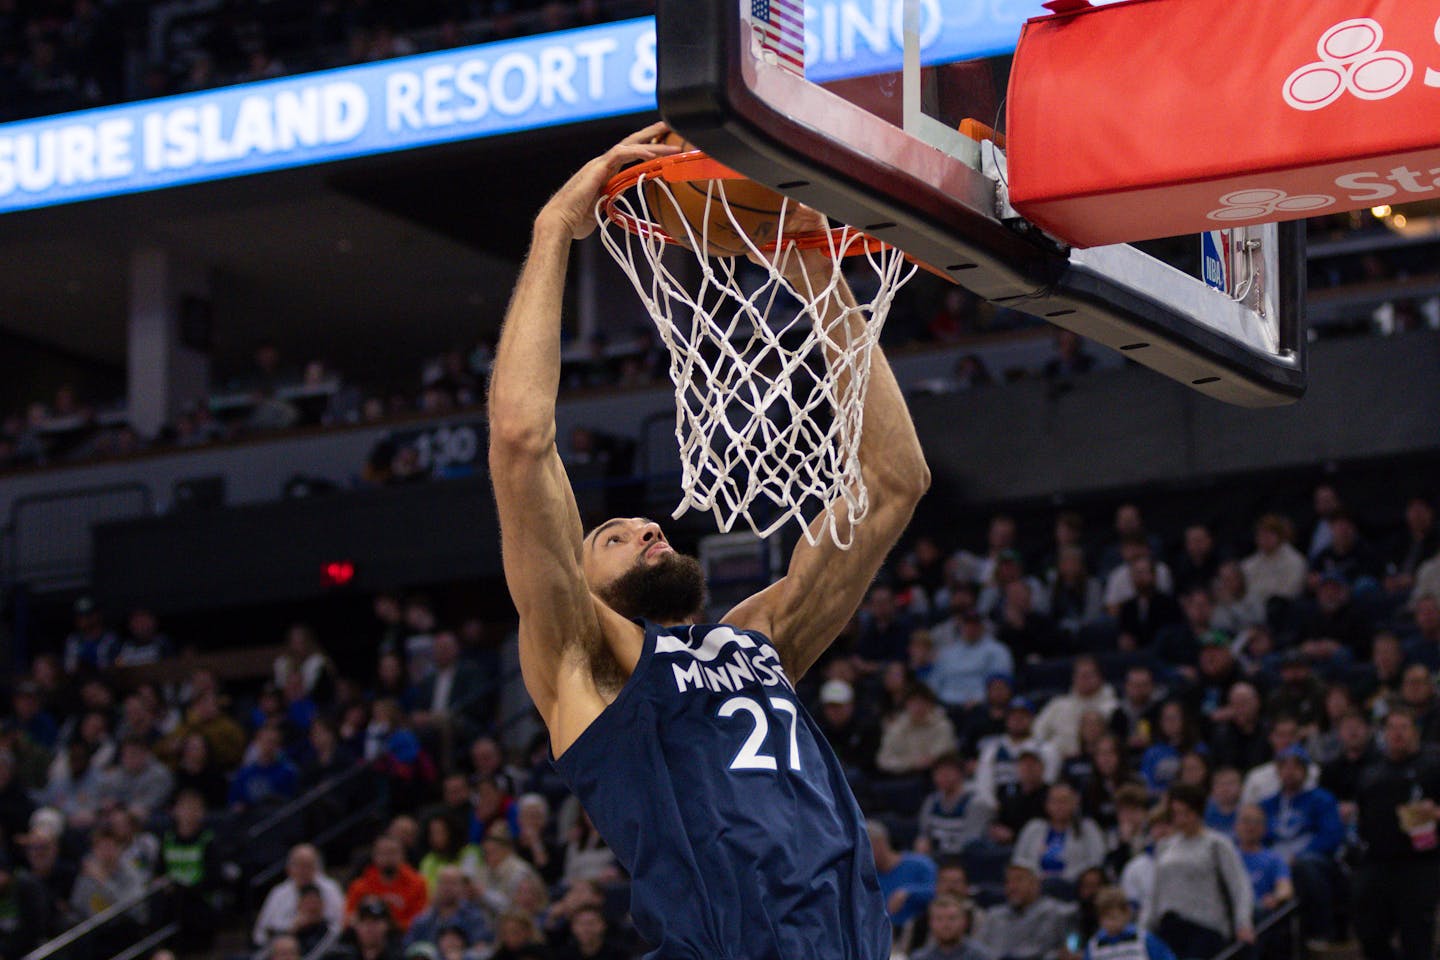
x=685, y=743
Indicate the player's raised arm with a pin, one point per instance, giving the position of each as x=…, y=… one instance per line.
x=540, y=525
x=805, y=610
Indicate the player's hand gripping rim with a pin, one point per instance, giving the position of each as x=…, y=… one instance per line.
x=572, y=208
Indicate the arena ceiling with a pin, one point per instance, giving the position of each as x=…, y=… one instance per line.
x=363, y=262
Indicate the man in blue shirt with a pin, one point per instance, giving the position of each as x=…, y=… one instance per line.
x=1306, y=829
x=907, y=880
x=958, y=676
x=268, y=778
x=1269, y=873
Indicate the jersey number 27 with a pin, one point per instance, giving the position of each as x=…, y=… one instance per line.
x=751, y=756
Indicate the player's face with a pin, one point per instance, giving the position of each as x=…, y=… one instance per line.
x=632, y=567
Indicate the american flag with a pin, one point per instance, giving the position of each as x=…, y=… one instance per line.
x=780, y=25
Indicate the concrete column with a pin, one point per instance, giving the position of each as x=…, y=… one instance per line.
x=164, y=374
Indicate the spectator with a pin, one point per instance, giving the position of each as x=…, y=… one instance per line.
x=1275, y=569
x=535, y=841
x=1130, y=837
x=453, y=944
x=1024, y=630
x=997, y=768
x=1326, y=503
x=311, y=927
x=985, y=723
x=1120, y=583
x=1358, y=752
x=1191, y=866
x=139, y=782
x=1236, y=609
x=1160, y=764
x=372, y=936
x=1423, y=645
x=589, y=936
x=328, y=758
x=31, y=717
x=90, y=646
x=884, y=630
x=1347, y=556
x=1419, y=541
x=960, y=669
x=106, y=879
x=450, y=906
x=954, y=816
x=75, y=791
x=1118, y=936
x=1223, y=806
x=190, y=859
x=1076, y=598
x=268, y=778
x=502, y=871
x=1333, y=631
x=1020, y=801
x=518, y=938
x=907, y=880
x=15, y=804
x=144, y=643
x=1146, y=608
x=1028, y=925
x=916, y=738
x=1240, y=738
x=1136, y=716
x=304, y=658
x=1397, y=883
x=303, y=868
x=391, y=881
x=445, y=847
x=950, y=922
x=1198, y=563
x=1305, y=829
x=225, y=737
x=1179, y=642
x=1109, y=775
x=54, y=872
x=1299, y=693
x=1417, y=693
x=1263, y=781
x=451, y=694
x=1063, y=844
x=25, y=908
x=1217, y=671
x=1059, y=723
x=1269, y=873
x=284, y=947
x=195, y=771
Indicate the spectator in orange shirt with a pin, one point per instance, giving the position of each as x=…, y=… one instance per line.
x=391, y=879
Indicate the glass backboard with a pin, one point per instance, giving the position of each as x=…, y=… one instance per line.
x=889, y=115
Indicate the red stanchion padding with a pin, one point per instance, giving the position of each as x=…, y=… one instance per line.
x=1157, y=118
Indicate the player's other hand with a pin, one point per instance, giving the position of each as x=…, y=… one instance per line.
x=572, y=208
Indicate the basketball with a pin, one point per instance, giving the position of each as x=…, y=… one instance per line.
x=753, y=209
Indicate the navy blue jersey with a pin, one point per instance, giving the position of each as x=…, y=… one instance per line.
x=720, y=796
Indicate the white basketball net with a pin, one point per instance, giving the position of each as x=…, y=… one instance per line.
x=770, y=378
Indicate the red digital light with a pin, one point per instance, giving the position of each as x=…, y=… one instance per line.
x=337, y=573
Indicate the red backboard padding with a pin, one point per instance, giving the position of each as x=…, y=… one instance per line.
x=1157, y=118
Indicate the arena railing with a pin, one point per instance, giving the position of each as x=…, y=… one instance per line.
x=1288, y=916
x=301, y=820
x=74, y=944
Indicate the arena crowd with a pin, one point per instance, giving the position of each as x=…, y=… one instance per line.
x=1137, y=738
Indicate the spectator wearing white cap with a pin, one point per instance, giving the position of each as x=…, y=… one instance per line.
x=854, y=738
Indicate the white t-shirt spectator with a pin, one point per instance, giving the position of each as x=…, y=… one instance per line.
x=1119, y=588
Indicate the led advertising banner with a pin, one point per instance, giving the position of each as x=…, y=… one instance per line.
x=418, y=101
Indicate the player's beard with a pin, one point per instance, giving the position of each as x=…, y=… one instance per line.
x=670, y=590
